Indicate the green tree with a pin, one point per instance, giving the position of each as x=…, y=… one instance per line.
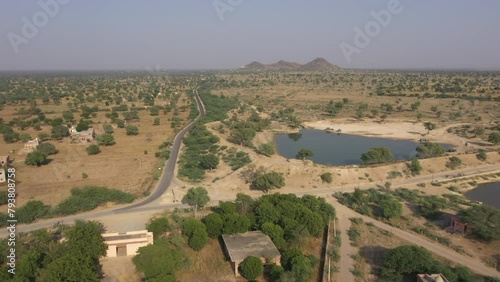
x=82, y=126
x=214, y=224
x=268, y=181
x=415, y=167
x=406, y=259
x=43, y=136
x=158, y=262
x=377, y=155
x=93, y=149
x=196, y=197
x=31, y=211
x=266, y=149
x=429, y=126
x=198, y=239
x=275, y=232
x=251, y=268
x=36, y=158
x=431, y=205
x=120, y=123
x=209, y=161
x=494, y=138
x=485, y=220
x=156, y=121
x=235, y=223
x=158, y=226
x=326, y=177
x=105, y=140
x=242, y=136
x=68, y=116
x=59, y=131
x=25, y=137
x=429, y=150
x=47, y=148
x=108, y=128
x=304, y=154
x=391, y=207
x=131, y=129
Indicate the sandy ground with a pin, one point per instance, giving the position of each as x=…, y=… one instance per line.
x=393, y=129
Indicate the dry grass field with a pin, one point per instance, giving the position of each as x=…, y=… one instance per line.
x=128, y=165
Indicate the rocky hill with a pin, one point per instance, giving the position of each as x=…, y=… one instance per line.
x=318, y=64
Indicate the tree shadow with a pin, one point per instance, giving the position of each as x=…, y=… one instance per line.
x=374, y=255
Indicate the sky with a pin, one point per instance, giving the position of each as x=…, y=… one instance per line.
x=226, y=34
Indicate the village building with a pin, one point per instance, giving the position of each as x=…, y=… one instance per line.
x=459, y=226
x=4, y=161
x=126, y=244
x=31, y=145
x=82, y=136
x=431, y=278
x=255, y=243
x=3, y=176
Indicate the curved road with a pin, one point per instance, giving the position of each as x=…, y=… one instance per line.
x=168, y=171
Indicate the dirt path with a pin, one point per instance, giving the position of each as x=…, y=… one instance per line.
x=474, y=264
x=346, y=263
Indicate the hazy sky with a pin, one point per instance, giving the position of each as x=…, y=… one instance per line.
x=187, y=34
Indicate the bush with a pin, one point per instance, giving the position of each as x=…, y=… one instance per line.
x=269, y=181
x=108, y=128
x=327, y=177
x=251, y=268
x=105, y=140
x=266, y=149
x=415, y=167
x=90, y=197
x=453, y=163
x=131, y=130
x=93, y=149
x=31, y=211
x=429, y=150
x=481, y=155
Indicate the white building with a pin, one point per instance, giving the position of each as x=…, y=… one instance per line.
x=126, y=244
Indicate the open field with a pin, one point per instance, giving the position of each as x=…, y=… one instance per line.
x=128, y=165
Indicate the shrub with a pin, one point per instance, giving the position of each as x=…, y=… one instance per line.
x=213, y=223
x=105, y=140
x=269, y=181
x=93, y=149
x=266, y=149
x=429, y=150
x=89, y=197
x=327, y=177
x=131, y=130
x=453, y=163
x=31, y=211
x=158, y=226
x=481, y=155
x=415, y=167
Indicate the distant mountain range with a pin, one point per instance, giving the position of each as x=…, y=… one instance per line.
x=318, y=64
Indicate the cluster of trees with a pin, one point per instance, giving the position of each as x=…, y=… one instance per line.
x=377, y=155
x=40, y=155
x=429, y=150
x=199, y=143
x=268, y=181
x=363, y=201
x=196, y=232
x=406, y=261
x=46, y=258
x=485, y=220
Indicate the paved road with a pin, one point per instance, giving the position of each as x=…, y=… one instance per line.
x=472, y=263
x=168, y=171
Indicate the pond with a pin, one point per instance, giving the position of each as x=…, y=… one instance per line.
x=330, y=148
x=487, y=193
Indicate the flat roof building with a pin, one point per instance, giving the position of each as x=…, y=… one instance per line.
x=253, y=243
x=126, y=244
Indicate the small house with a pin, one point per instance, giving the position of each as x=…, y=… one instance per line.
x=126, y=244
x=431, y=278
x=4, y=161
x=459, y=226
x=31, y=145
x=253, y=243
